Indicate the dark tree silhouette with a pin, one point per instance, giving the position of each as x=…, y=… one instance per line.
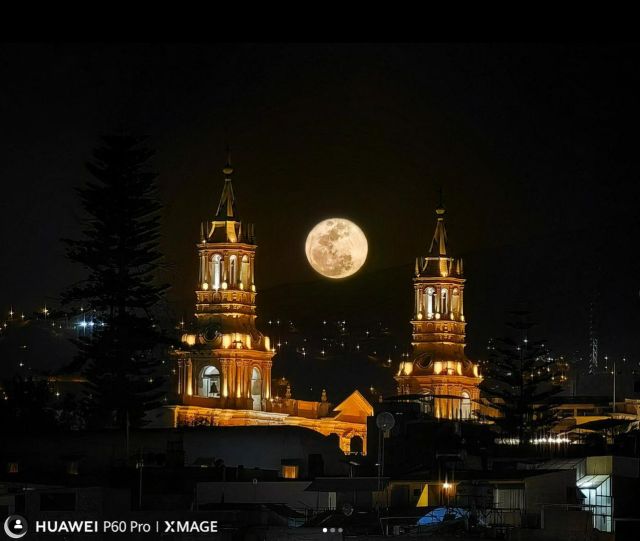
x=518, y=382
x=119, y=250
x=26, y=406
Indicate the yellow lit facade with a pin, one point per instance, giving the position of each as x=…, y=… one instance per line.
x=223, y=369
x=439, y=366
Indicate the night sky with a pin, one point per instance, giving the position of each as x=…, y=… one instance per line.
x=535, y=147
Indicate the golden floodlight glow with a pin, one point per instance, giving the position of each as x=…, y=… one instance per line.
x=189, y=339
x=336, y=248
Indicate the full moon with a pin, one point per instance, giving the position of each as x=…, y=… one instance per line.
x=336, y=248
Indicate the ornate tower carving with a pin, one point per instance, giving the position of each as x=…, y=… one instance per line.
x=227, y=362
x=439, y=366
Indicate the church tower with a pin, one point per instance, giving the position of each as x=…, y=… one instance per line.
x=222, y=369
x=226, y=363
x=439, y=366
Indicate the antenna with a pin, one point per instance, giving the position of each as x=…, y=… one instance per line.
x=593, y=341
x=594, y=306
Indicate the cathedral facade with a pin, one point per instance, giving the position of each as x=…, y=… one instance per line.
x=223, y=369
x=438, y=367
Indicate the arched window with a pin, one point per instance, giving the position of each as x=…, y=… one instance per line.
x=355, y=445
x=217, y=271
x=430, y=302
x=455, y=301
x=233, y=271
x=209, y=384
x=465, y=406
x=244, y=272
x=444, y=304
x=256, y=389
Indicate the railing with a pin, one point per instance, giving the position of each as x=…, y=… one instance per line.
x=506, y=517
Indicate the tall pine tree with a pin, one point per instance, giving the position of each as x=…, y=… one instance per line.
x=518, y=382
x=119, y=250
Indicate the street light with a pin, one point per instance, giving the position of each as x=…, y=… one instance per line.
x=446, y=486
x=385, y=421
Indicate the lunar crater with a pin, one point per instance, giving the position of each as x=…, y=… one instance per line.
x=336, y=248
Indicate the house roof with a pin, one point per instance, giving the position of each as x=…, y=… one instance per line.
x=355, y=401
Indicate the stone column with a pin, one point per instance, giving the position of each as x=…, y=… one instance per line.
x=230, y=368
x=189, y=378
x=266, y=380
x=224, y=366
x=240, y=382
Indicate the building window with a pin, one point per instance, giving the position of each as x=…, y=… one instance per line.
x=596, y=490
x=209, y=382
x=455, y=302
x=426, y=405
x=217, y=271
x=444, y=304
x=430, y=302
x=356, y=445
x=289, y=471
x=256, y=389
x=244, y=271
x=233, y=270
x=465, y=406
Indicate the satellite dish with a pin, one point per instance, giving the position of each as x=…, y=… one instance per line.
x=347, y=509
x=385, y=421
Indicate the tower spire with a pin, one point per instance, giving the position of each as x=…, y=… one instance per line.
x=227, y=206
x=439, y=242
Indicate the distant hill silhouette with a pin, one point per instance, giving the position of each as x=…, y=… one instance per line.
x=556, y=277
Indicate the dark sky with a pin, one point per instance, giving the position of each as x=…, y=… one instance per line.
x=536, y=147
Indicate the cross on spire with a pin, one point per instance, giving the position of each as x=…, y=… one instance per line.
x=439, y=242
x=227, y=206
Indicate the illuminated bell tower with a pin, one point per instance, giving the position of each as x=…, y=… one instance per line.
x=227, y=362
x=439, y=366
